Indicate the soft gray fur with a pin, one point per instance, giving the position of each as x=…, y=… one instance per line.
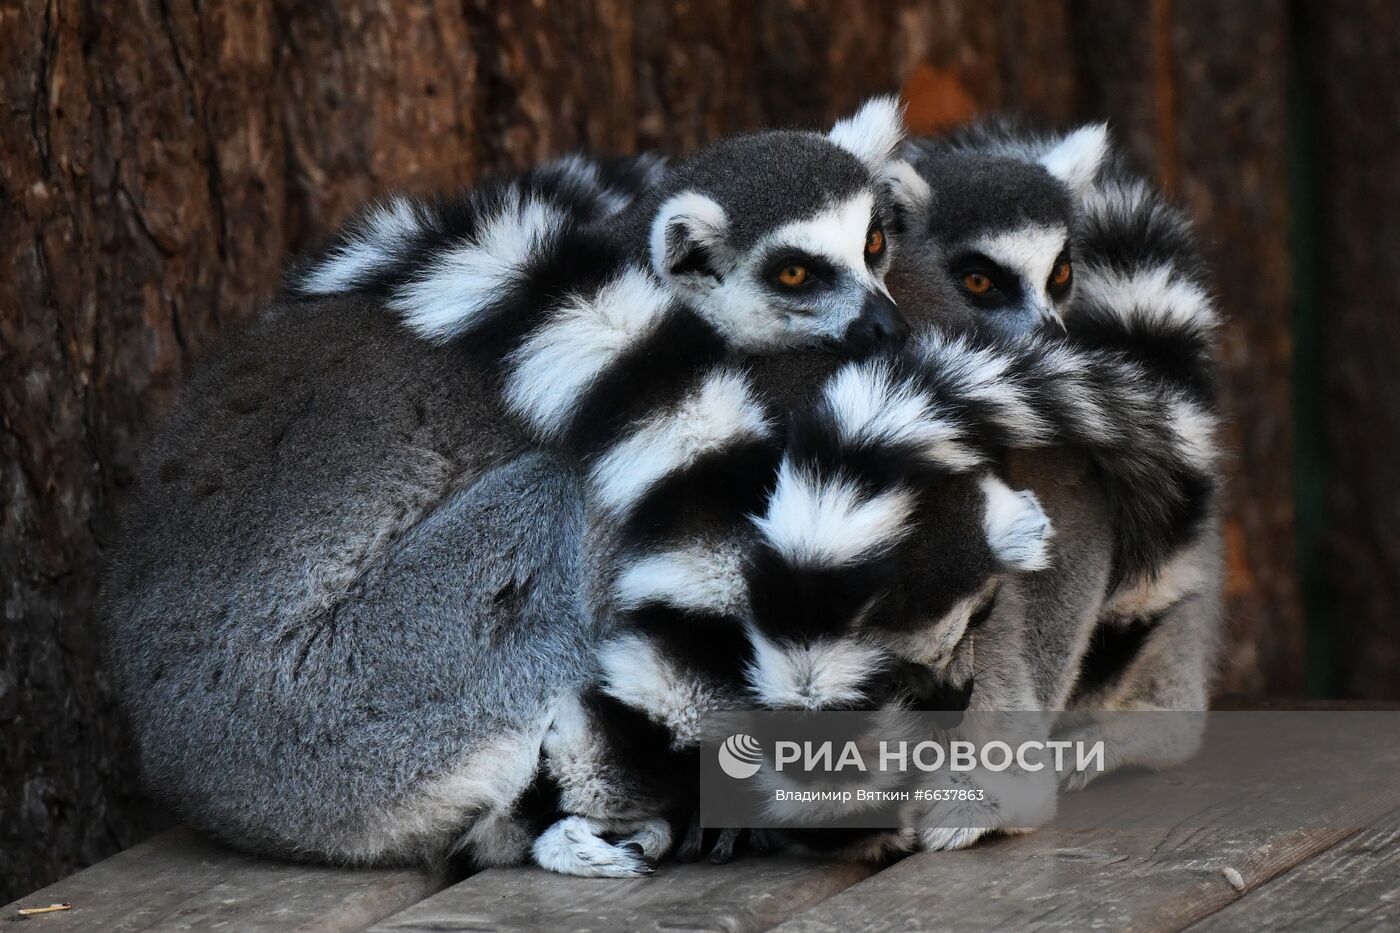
x=334, y=528
x=327, y=444
x=353, y=588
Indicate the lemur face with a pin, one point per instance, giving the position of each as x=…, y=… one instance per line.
x=1003, y=224
x=782, y=239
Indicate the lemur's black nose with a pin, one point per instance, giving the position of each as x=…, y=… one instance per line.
x=879, y=327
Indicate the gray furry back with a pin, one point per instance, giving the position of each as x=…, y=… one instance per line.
x=344, y=573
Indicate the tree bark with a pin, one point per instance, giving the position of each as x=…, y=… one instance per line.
x=1198, y=92
x=1357, y=108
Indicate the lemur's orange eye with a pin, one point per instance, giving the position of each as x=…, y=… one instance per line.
x=977, y=283
x=875, y=242
x=1061, y=274
x=794, y=275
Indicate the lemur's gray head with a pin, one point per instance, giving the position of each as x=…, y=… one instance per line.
x=781, y=238
x=1002, y=218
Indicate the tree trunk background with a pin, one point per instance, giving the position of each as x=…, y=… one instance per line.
x=161, y=158
x=1354, y=272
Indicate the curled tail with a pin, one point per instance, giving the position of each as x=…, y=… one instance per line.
x=1142, y=286
x=870, y=467
x=448, y=265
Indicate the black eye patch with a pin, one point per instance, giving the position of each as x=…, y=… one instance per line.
x=1005, y=286
x=819, y=271
x=1061, y=291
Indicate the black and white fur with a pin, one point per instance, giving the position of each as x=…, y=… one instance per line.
x=1128, y=387
x=624, y=364
x=354, y=586
x=1003, y=209
x=1105, y=390
x=883, y=538
x=1129, y=617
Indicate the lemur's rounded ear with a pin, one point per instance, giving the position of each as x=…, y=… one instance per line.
x=873, y=133
x=909, y=189
x=687, y=235
x=1018, y=530
x=1075, y=160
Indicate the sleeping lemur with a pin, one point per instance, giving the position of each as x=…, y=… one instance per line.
x=354, y=587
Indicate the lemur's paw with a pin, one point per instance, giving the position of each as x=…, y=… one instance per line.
x=723, y=852
x=726, y=843
x=573, y=846
x=692, y=843
x=946, y=839
x=650, y=838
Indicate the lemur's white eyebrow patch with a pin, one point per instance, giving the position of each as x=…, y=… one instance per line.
x=836, y=233
x=1029, y=251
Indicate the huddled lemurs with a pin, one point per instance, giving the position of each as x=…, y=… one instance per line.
x=447, y=552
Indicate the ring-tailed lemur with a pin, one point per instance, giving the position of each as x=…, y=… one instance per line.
x=353, y=587
x=1140, y=629
x=1157, y=463
x=1138, y=284
x=569, y=848
x=808, y=622
x=1002, y=208
x=1157, y=498
x=568, y=842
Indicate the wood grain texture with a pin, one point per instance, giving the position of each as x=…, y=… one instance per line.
x=1355, y=886
x=1146, y=852
x=179, y=882
x=742, y=897
x=160, y=160
x=1357, y=109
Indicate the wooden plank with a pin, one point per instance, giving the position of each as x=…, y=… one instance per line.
x=1354, y=886
x=1148, y=877
x=742, y=897
x=181, y=881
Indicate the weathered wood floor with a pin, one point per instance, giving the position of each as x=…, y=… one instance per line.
x=1236, y=860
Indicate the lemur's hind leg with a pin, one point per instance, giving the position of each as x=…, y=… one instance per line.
x=610, y=820
x=473, y=622
x=1145, y=683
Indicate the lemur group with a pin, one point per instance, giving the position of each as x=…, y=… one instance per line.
x=449, y=551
